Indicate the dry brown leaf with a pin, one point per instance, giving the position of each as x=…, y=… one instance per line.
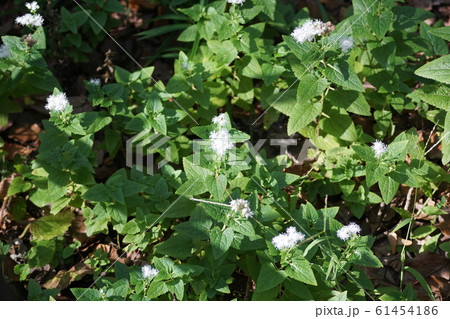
x=444, y=224
x=64, y=278
x=24, y=133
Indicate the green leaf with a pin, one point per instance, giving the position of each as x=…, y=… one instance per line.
x=439, y=45
x=41, y=253
x=339, y=124
x=269, y=277
x=177, y=246
x=438, y=70
x=406, y=17
x=151, y=33
x=341, y=74
x=388, y=188
x=50, y=226
x=309, y=87
x=446, y=140
x=435, y=94
x=443, y=32
x=352, y=101
x=374, y=172
x=423, y=231
x=364, y=152
x=422, y=281
x=300, y=269
x=432, y=211
x=271, y=73
x=401, y=224
x=86, y=294
x=380, y=23
x=397, y=150
x=216, y=185
x=18, y=185
x=302, y=115
x=221, y=241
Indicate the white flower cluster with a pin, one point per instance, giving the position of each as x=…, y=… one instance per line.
x=236, y=1
x=379, y=148
x=243, y=206
x=95, y=82
x=309, y=30
x=4, y=51
x=348, y=231
x=32, y=6
x=35, y=20
x=220, y=120
x=149, y=272
x=288, y=239
x=346, y=44
x=220, y=141
x=57, y=103
x=31, y=19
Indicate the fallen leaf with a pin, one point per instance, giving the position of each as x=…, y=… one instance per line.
x=64, y=278
x=444, y=224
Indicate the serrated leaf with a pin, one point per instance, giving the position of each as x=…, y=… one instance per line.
x=300, y=269
x=304, y=114
x=443, y=32
x=216, y=185
x=309, y=87
x=388, y=188
x=269, y=277
x=435, y=94
x=341, y=74
x=50, y=226
x=380, y=23
x=339, y=124
x=438, y=70
x=221, y=241
x=352, y=101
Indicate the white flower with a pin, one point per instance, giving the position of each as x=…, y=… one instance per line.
x=35, y=20
x=33, y=6
x=220, y=141
x=149, y=272
x=309, y=30
x=354, y=228
x=348, y=231
x=243, y=206
x=346, y=44
x=236, y=1
x=379, y=148
x=4, y=51
x=57, y=103
x=220, y=120
x=95, y=82
x=288, y=239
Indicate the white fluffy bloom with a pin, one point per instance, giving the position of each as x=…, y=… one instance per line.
x=348, y=231
x=243, y=206
x=346, y=44
x=149, y=272
x=57, y=103
x=288, y=239
x=309, y=30
x=379, y=148
x=220, y=141
x=95, y=82
x=32, y=6
x=29, y=19
x=236, y=1
x=4, y=51
x=220, y=120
